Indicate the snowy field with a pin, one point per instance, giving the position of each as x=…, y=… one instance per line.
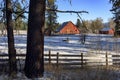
x=94, y=43
x=95, y=46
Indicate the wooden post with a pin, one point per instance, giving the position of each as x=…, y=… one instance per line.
x=49, y=57
x=81, y=60
x=57, y=62
x=106, y=55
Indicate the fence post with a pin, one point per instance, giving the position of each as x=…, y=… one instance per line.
x=49, y=57
x=57, y=62
x=81, y=60
x=106, y=55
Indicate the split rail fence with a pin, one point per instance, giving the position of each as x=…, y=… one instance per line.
x=71, y=60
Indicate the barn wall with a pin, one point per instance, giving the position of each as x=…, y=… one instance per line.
x=70, y=28
x=111, y=31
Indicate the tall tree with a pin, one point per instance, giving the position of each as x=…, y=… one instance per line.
x=11, y=47
x=51, y=17
x=116, y=11
x=34, y=63
x=96, y=25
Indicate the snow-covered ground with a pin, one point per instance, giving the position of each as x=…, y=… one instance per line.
x=94, y=43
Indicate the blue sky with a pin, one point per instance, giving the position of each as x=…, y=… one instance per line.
x=96, y=9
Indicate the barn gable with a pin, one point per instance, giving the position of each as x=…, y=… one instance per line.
x=68, y=28
x=61, y=27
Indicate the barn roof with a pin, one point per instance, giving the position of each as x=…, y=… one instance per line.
x=62, y=26
x=105, y=29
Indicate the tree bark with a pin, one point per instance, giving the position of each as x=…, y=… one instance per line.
x=10, y=35
x=34, y=63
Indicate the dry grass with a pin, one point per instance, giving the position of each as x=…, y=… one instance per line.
x=52, y=72
x=96, y=73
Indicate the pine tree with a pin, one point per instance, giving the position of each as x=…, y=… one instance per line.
x=11, y=47
x=78, y=23
x=116, y=11
x=51, y=18
x=34, y=63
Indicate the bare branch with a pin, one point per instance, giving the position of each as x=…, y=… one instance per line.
x=76, y=12
x=82, y=21
x=21, y=12
x=48, y=9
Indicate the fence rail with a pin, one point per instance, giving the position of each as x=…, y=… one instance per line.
x=80, y=60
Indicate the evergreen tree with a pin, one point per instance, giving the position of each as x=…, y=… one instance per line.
x=116, y=11
x=34, y=63
x=78, y=23
x=51, y=18
x=10, y=35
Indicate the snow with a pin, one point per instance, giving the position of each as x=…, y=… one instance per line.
x=73, y=46
x=95, y=43
x=56, y=44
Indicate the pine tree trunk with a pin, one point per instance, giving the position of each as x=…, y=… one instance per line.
x=11, y=48
x=34, y=63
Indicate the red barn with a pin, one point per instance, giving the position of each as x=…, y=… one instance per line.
x=107, y=30
x=68, y=28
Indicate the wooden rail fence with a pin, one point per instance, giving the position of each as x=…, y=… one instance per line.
x=73, y=60
x=79, y=60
